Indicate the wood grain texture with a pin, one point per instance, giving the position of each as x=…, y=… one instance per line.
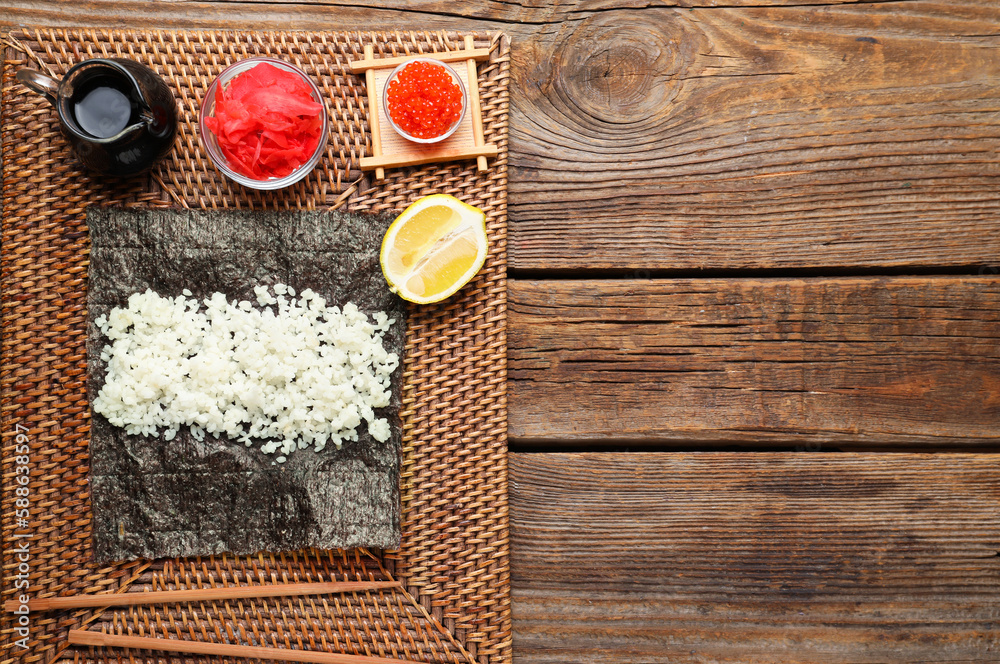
x=861, y=135
x=848, y=361
x=621, y=558
x=522, y=17
x=846, y=135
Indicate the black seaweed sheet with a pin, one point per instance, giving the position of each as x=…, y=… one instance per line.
x=155, y=498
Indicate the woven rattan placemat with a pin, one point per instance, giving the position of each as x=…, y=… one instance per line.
x=453, y=560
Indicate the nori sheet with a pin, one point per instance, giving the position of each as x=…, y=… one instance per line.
x=155, y=498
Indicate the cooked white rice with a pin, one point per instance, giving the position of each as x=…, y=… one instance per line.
x=288, y=374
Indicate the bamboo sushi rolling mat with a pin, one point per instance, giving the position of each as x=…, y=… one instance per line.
x=453, y=559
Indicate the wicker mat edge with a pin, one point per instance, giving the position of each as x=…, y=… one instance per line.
x=454, y=560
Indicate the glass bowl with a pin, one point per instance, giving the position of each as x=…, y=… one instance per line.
x=211, y=144
x=454, y=76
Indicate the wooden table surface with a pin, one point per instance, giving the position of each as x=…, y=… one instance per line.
x=754, y=332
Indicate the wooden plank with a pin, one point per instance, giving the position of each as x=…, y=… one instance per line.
x=848, y=362
x=223, y=14
x=621, y=558
x=786, y=137
x=332, y=15
x=849, y=135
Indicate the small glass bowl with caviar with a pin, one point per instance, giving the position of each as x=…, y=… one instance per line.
x=424, y=100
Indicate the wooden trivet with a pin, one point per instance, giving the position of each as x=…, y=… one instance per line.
x=389, y=149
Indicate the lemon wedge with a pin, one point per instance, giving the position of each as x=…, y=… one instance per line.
x=433, y=248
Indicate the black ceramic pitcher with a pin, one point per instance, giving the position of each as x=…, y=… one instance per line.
x=118, y=115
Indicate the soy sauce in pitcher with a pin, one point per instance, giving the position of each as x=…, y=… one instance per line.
x=118, y=115
x=102, y=109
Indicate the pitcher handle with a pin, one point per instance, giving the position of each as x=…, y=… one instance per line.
x=40, y=83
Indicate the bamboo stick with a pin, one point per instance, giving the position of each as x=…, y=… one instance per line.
x=447, y=56
x=475, y=109
x=82, y=637
x=197, y=595
x=393, y=160
x=373, y=121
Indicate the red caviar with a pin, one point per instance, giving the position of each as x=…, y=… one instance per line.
x=424, y=100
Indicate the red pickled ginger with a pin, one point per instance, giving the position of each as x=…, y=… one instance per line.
x=266, y=122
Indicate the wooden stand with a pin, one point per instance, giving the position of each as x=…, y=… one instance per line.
x=390, y=150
